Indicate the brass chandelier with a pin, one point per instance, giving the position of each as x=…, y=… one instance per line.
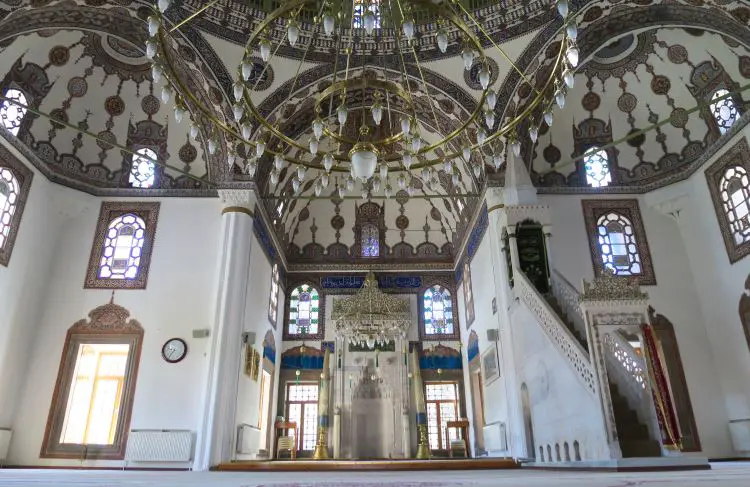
x=386, y=135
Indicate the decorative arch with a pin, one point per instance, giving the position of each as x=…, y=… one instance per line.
x=303, y=357
x=708, y=80
x=665, y=334
x=444, y=287
x=15, y=184
x=290, y=308
x=107, y=325
x=32, y=81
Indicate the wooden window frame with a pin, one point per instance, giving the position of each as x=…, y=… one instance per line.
x=149, y=213
x=23, y=175
x=301, y=424
x=456, y=403
x=107, y=324
x=593, y=210
x=737, y=155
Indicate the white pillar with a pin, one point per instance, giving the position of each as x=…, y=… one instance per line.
x=217, y=441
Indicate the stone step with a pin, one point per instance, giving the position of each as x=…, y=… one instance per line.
x=640, y=448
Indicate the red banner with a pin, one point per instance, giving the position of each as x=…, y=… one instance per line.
x=665, y=412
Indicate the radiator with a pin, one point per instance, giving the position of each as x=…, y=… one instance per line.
x=5, y=434
x=494, y=437
x=248, y=439
x=159, y=446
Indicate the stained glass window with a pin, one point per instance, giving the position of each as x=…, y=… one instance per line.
x=370, y=241
x=441, y=399
x=273, y=302
x=11, y=115
x=734, y=190
x=9, y=192
x=724, y=111
x=143, y=168
x=617, y=245
x=304, y=306
x=438, y=311
x=596, y=164
x=123, y=244
x=302, y=408
x=362, y=6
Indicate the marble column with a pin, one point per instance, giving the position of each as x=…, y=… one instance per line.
x=225, y=352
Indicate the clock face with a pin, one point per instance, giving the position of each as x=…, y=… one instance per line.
x=174, y=350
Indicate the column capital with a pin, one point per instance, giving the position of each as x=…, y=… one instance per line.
x=240, y=200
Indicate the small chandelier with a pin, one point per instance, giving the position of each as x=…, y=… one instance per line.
x=366, y=128
x=371, y=317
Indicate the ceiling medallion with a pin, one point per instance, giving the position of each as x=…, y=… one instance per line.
x=366, y=126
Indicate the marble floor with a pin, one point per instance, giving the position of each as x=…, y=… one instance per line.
x=721, y=475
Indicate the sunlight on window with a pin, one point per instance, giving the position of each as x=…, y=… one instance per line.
x=734, y=189
x=617, y=245
x=302, y=408
x=95, y=396
x=143, y=168
x=596, y=164
x=123, y=245
x=11, y=115
x=304, y=307
x=9, y=190
x=442, y=406
x=724, y=111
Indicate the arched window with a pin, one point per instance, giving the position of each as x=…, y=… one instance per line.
x=11, y=114
x=273, y=302
x=143, y=168
x=724, y=111
x=123, y=244
x=617, y=245
x=370, y=241
x=304, y=309
x=596, y=164
x=734, y=189
x=438, y=311
x=9, y=192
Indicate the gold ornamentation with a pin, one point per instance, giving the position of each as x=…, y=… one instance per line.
x=423, y=449
x=608, y=286
x=252, y=362
x=371, y=316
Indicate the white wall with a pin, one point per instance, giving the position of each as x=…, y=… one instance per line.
x=675, y=296
x=562, y=408
x=178, y=299
x=22, y=292
x=257, y=321
x=719, y=285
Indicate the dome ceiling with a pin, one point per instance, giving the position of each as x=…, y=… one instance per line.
x=631, y=84
x=98, y=79
x=84, y=59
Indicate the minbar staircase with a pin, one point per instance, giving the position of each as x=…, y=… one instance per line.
x=633, y=435
x=555, y=304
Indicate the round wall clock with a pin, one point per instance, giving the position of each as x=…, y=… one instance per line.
x=174, y=350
